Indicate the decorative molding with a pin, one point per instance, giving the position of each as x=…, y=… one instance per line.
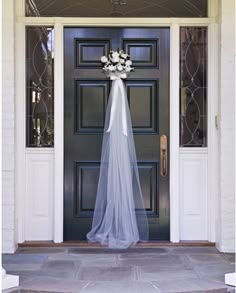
x=39, y=150
x=213, y=8
x=59, y=24
x=186, y=150
x=39, y=197
x=109, y=21
x=20, y=168
x=213, y=133
x=174, y=134
x=59, y=135
x=20, y=8
x=193, y=196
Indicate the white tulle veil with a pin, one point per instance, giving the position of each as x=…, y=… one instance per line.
x=119, y=219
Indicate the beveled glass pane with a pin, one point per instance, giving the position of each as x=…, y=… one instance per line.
x=193, y=86
x=117, y=8
x=39, y=87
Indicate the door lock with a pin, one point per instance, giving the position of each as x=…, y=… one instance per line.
x=163, y=155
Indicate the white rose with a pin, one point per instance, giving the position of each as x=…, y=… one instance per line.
x=115, y=57
x=128, y=62
x=119, y=67
x=104, y=59
x=122, y=61
x=128, y=68
x=124, y=55
x=111, y=68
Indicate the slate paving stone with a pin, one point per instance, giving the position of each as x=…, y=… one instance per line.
x=74, y=269
x=131, y=256
x=169, y=261
x=60, y=265
x=40, y=250
x=23, y=259
x=214, y=269
x=106, y=274
x=62, y=256
x=94, y=251
x=206, y=258
x=151, y=273
x=188, y=285
x=100, y=262
x=54, y=285
x=117, y=251
x=25, y=267
x=193, y=250
x=230, y=257
x=26, y=275
x=220, y=278
x=121, y=287
x=88, y=259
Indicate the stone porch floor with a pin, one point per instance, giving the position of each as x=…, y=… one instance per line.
x=135, y=270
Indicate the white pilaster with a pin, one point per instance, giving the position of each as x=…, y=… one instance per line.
x=213, y=129
x=226, y=220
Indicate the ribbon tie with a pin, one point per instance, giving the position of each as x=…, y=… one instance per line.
x=118, y=87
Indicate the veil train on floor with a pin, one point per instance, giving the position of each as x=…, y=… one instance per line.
x=120, y=219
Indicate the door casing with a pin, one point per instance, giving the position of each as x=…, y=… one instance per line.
x=212, y=22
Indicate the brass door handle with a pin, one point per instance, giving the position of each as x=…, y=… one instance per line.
x=163, y=155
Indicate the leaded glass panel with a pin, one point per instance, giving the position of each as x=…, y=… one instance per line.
x=116, y=8
x=193, y=86
x=39, y=87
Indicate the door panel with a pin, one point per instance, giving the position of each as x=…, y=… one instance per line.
x=86, y=97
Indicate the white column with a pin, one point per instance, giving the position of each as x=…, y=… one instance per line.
x=226, y=212
x=213, y=129
x=226, y=238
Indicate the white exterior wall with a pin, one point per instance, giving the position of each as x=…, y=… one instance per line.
x=8, y=129
x=226, y=212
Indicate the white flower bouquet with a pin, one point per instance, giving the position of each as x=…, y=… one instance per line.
x=117, y=62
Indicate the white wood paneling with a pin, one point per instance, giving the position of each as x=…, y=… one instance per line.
x=193, y=195
x=39, y=196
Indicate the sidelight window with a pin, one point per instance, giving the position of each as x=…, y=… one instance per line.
x=39, y=86
x=193, y=86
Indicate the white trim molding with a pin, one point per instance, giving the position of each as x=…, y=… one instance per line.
x=20, y=134
x=213, y=126
x=193, y=199
x=59, y=135
x=174, y=133
x=58, y=152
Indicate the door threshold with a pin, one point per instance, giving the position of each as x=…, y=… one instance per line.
x=85, y=244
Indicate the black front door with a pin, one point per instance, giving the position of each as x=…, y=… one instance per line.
x=86, y=94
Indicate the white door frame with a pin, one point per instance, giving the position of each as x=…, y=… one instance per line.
x=174, y=25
